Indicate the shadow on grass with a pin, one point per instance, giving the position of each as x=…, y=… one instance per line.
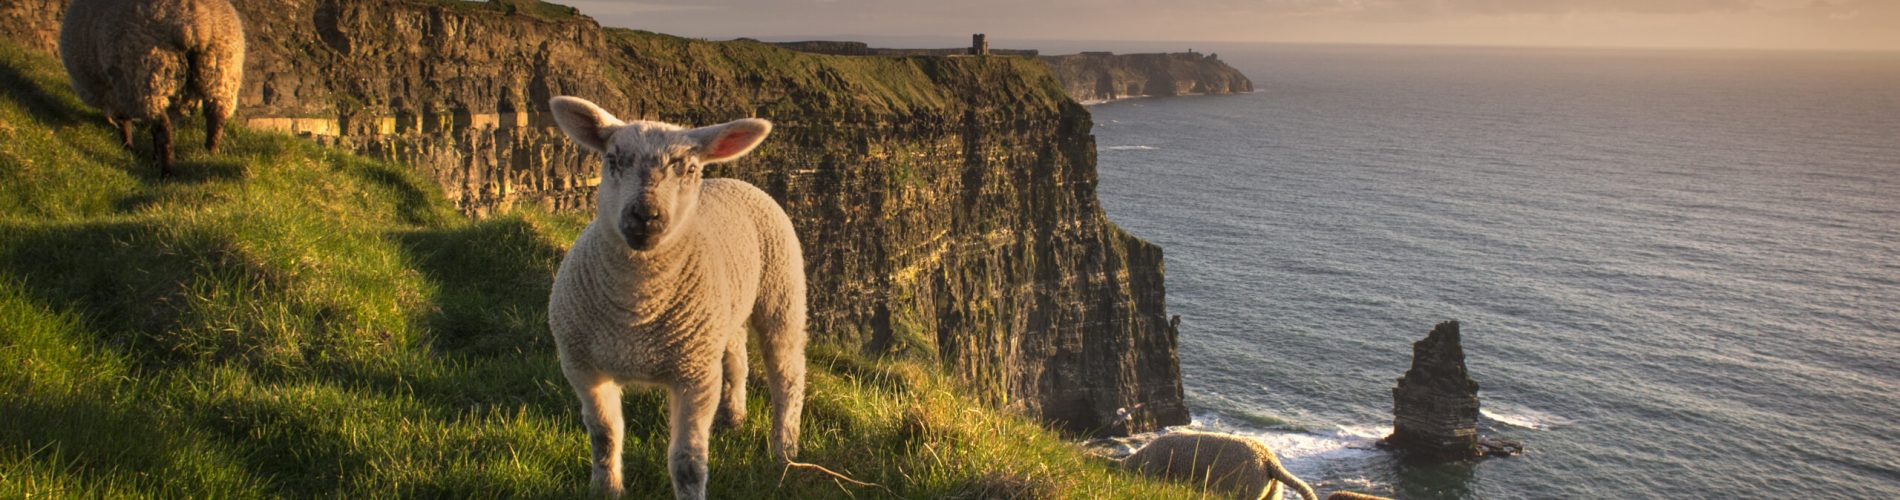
x=122, y=278
x=52, y=107
x=413, y=203
x=492, y=280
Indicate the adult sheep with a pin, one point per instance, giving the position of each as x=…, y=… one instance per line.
x=1237, y=464
x=660, y=286
x=146, y=60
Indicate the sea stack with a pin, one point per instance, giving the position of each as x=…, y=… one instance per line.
x=1435, y=406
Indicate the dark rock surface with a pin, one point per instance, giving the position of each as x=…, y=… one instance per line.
x=1499, y=447
x=1435, y=405
x=947, y=204
x=1102, y=76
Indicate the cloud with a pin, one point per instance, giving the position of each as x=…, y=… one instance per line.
x=1423, y=10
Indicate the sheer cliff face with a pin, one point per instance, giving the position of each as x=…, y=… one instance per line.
x=1101, y=76
x=947, y=205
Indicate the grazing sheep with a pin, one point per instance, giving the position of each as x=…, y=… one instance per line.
x=151, y=59
x=1237, y=464
x=657, y=290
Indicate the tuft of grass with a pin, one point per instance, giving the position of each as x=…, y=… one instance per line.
x=285, y=319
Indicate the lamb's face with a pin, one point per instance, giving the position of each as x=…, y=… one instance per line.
x=650, y=171
x=649, y=183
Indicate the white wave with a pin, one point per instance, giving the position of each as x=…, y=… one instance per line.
x=1131, y=148
x=1305, y=452
x=1518, y=416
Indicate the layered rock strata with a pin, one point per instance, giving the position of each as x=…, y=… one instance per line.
x=1435, y=405
x=947, y=204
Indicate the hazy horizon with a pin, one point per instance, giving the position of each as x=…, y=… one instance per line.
x=1693, y=24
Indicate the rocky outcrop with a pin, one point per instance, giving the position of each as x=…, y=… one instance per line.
x=1104, y=76
x=1435, y=405
x=947, y=204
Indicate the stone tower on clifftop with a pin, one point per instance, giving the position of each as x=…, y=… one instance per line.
x=979, y=45
x=1435, y=406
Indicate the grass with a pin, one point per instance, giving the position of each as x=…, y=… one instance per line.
x=285, y=319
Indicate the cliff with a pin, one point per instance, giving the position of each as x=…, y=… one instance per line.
x=1089, y=77
x=1103, y=76
x=947, y=204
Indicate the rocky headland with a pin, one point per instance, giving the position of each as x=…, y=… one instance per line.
x=947, y=204
x=1088, y=77
x=1092, y=77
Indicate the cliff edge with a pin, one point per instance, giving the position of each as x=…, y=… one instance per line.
x=947, y=204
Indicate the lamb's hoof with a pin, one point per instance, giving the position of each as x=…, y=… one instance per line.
x=727, y=421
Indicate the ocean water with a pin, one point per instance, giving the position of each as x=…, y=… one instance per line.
x=1678, y=272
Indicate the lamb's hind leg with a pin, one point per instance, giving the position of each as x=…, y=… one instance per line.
x=780, y=324
x=600, y=410
x=732, y=390
x=693, y=403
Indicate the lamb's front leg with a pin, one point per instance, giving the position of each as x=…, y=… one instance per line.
x=693, y=403
x=600, y=410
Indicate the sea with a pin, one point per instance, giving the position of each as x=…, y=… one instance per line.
x=1677, y=272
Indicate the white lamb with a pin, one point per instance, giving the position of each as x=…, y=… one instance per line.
x=658, y=289
x=146, y=60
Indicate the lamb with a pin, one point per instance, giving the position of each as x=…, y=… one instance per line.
x=146, y=60
x=1237, y=464
x=658, y=287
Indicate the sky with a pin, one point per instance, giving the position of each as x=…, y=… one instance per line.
x=1745, y=24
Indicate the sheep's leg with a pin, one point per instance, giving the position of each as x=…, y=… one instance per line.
x=600, y=410
x=214, y=124
x=732, y=393
x=162, y=143
x=780, y=322
x=693, y=403
x=125, y=131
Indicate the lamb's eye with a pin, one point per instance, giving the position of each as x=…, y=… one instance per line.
x=614, y=164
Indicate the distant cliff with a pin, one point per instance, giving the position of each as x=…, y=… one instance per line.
x=947, y=204
x=1088, y=77
x=1103, y=76
x=838, y=48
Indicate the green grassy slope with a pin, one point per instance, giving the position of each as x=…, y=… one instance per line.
x=288, y=320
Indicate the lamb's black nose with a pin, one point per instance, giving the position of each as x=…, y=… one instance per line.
x=640, y=224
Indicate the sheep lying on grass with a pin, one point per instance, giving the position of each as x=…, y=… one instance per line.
x=146, y=60
x=1226, y=462
x=658, y=289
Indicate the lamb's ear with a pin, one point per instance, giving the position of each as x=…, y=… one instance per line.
x=584, y=122
x=729, y=141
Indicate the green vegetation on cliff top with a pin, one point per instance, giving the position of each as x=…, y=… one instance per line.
x=875, y=85
x=287, y=319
